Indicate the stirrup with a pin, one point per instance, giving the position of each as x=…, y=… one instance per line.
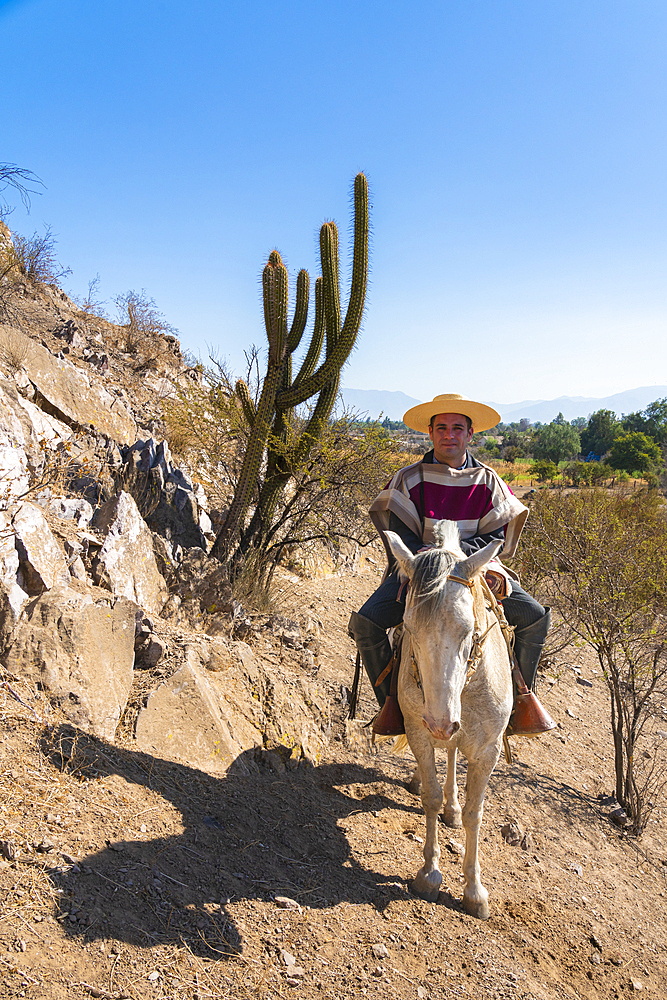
x=389, y=720
x=529, y=717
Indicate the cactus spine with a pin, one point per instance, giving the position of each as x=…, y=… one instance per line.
x=274, y=453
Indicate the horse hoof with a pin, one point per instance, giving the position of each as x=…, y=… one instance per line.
x=477, y=908
x=427, y=886
x=452, y=818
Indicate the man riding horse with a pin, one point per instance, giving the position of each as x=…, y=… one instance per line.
x=450, y=483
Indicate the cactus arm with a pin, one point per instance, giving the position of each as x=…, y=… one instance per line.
x=340, y=351
x=274, y=288
x=331, y=279
x=300, y=311
x=355, y=309
x=249, y=409
x=315, y=349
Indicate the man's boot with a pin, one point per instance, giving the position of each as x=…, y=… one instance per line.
x=529, y=718
x=375, y=652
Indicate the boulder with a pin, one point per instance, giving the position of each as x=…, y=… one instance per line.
x=42, y=563
x=80, y=648
x=14, y=469
x=126, y=562
x=221, y=701
x=184, y=720
x=68, y=393
x=12, y=596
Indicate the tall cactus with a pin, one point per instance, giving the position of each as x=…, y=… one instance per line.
x=273, y=452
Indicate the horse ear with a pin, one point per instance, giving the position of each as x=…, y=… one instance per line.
x=401, y=552
x=475, y=563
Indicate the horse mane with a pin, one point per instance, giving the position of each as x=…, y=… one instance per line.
x=432, y=567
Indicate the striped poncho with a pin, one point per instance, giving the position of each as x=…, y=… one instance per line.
x=475, y=497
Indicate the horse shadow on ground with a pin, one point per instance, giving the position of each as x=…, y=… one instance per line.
x=261, y=830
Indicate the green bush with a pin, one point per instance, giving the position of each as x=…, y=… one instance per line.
x=635, y=452
x=544, y=471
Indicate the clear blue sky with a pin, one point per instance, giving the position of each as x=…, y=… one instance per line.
x=516, y=153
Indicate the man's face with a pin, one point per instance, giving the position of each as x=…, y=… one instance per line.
x=450, y=436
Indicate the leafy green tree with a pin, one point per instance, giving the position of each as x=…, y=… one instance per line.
x=651, y=421
x=556, y=441
x=635, y=452
x=598, y=436
x=579, y=473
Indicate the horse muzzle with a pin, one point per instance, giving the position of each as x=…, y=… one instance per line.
x=444, y=731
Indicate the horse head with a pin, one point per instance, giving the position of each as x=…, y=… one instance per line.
x=440, y=620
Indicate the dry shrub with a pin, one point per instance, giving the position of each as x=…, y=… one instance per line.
x=143, y=331
x=599, y=557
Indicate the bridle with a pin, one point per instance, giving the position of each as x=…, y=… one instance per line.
x=478, y=637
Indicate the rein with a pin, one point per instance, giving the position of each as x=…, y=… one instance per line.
x=478, y=637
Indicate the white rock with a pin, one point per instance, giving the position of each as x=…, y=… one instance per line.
x=70, y=509
x=80, y=650
x=43, y=564
x=126, y=562
x=380, y=951
x=14, y=469
x=285, y=903
x=80, y=398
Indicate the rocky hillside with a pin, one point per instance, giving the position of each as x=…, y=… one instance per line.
x=184, y=811
x=119, y=616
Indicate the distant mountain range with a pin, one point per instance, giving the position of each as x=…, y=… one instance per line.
x=373, y=402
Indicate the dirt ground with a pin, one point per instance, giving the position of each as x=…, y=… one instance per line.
x=129, y=876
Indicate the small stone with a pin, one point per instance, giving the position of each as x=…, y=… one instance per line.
x=45, y=846
x=287, y=958
x=584, y=682
x=636, y=984
x=285, y=903
x=143, y=828
x=578, y=869
x=527, y=842
x=152, y=976
x=595, y=941
x=511, y=834
x=421, y=992
x=379, y=951
x=455, y=848
x=619, y=817
x=570, y=713
x=595, y=958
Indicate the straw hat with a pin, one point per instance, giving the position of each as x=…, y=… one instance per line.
x=483, y=417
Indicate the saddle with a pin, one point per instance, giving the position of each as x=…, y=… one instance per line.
x=528, y=718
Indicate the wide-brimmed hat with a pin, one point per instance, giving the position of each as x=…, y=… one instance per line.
x=483, y=417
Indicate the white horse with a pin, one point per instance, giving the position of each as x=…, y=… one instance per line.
x=455, y=691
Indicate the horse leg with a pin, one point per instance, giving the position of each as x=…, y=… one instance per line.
x=475, y=896
x=452, y=811
x=415, y=783
x=428, y=879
